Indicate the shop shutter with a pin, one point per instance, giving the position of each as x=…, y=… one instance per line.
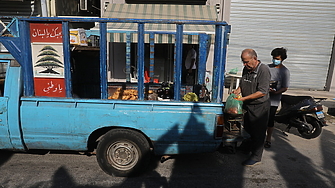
x=19, y=8
x=305, y=27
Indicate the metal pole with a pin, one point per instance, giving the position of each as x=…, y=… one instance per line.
x=103, y=60
x=203, y=44
x=178, y=61
x=140, y=61
x=67, y=56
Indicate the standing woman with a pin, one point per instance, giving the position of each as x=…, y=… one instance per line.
x=280, y=80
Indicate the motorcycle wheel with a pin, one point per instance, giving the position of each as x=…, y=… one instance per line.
x=314, y=126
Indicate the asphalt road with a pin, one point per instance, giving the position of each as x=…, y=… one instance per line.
x=291, y=162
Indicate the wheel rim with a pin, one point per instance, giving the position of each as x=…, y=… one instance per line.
x=314, y=126
x=123, y=155
x=311, y=128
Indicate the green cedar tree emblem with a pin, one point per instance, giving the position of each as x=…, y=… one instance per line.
x=48, y=60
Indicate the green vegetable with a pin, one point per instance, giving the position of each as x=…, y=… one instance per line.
x=190, y=97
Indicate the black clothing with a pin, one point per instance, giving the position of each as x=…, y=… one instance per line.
x=273, y=110
x=255, y=123
x=257, y=110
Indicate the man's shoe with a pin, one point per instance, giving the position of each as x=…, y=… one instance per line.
x=250, y=162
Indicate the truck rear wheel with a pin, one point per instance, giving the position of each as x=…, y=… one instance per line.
x=123, y=152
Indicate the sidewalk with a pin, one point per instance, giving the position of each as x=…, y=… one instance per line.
x=315, y=94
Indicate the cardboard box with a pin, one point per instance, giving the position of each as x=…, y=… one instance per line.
x=78, y=37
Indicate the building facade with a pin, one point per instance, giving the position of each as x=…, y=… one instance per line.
x=305, y=28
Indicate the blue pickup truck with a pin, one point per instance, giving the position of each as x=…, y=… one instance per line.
x=48, y=103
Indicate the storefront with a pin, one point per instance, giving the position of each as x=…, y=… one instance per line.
x=305, y=28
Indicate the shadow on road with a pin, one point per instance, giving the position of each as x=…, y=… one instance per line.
x=5, y=156
x=299, y=170
x=217, y=169
x=328, y=153
x=294, y=165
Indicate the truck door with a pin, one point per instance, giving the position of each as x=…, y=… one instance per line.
x=4, y=129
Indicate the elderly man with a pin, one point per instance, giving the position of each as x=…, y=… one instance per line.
x=254, y=89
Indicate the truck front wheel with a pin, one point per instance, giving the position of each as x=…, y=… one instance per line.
x=123, y=152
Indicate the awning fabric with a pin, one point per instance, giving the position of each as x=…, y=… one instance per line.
x=117, y=31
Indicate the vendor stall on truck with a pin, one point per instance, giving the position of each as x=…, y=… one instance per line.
x=47, y=106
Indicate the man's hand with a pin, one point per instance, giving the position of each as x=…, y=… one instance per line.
x=237, y=91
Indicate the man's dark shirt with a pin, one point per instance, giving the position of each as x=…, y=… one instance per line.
x=257, y=80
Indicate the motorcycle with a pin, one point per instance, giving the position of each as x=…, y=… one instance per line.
x=303, y=113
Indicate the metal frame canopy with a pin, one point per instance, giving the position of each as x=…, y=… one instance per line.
x=20, y=47
x=117, y=31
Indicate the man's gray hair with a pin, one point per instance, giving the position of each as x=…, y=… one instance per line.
x=251, y=52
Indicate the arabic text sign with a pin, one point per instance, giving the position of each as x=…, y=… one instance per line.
x=50, y=87
x=46, y=32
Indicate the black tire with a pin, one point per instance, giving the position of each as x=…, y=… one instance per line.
x=315, y=127
x=123, y=153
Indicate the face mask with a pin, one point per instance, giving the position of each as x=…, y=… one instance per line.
x=276, y=61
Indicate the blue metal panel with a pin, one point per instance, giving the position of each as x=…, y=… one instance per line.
x=178, y=61
x=224, y=42
x=103, y=60
x=128, y=55
x=218, y=52
x=124, y=20
x=6, y=56
x=140, y=61
x=13, y=27
x=152, y=56
x=222, y=62
x=175, y=104
x=27, y=66
x=14, y=46
x=67, y=58
x=5, y=142
x=13, y=91
x=180, y=124
x=203, y=46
